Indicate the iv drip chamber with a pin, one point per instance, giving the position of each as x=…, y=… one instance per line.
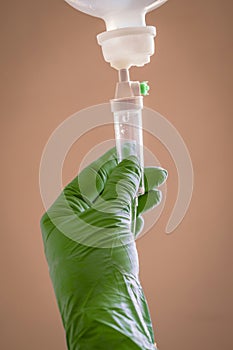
x=129, y=139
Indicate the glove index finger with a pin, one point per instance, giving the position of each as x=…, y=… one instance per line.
x=91, y=181
x=105, y=158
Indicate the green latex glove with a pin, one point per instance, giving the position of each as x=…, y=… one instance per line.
x=92, y=256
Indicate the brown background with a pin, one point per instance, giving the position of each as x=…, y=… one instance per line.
x=52, y=67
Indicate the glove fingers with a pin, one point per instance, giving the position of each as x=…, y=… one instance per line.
x=84, y=189
x=154, y=177
x=123, y=182
x=148, y=201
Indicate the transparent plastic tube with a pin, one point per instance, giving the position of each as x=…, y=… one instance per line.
x=129, y=137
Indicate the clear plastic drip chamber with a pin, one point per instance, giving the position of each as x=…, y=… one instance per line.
x=127, y=41
x=129, y=137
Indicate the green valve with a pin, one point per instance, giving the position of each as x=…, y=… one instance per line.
x=144, y=87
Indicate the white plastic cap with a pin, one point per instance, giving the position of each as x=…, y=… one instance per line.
x=127, y=47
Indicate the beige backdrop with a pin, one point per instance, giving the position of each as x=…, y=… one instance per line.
x=52, y=67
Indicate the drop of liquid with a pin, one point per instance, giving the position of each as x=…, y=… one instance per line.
x=125, y=118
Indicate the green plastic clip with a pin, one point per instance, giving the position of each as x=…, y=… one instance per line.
x=144, y=87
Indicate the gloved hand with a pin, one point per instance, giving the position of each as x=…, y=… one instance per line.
x=92, y=256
